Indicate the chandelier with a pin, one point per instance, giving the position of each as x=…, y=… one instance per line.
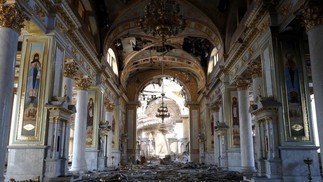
x=162, y=111
x=162, y=19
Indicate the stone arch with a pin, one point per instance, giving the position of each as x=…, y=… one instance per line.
x=140, y=80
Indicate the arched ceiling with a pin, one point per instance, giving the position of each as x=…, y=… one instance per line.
x=187, y=52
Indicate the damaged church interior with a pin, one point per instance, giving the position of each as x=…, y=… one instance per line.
x=161, y=90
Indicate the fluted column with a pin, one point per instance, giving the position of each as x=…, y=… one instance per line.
x=109, y=117
x=78, y=160
x=11, y=21
x=246, y=141
x=313, y=21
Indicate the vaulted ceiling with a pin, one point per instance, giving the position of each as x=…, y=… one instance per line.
x=187, y=53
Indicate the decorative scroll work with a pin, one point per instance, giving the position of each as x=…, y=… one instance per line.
x=84, y=83
x=10, y=16
x=312, y=16
x=70, y=69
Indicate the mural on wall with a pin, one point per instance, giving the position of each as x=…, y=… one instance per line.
x=33, y=71
x=235, y=119
x=91, y=119
x=295, y=122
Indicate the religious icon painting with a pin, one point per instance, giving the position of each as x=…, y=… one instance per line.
x=31, y=92
x=295, y=119
x=93, y=107
x=235, y=129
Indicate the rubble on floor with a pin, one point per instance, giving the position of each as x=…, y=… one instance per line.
x=154, y=171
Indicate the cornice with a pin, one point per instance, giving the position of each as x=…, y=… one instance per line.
x=251, y=33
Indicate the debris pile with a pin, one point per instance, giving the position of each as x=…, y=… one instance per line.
x=153, y=171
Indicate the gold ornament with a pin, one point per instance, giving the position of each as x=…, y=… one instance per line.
x=312, y=17
x=108, y=106
x=84, y=83
x=11, y=16
x=242, y=84
x=70, y=69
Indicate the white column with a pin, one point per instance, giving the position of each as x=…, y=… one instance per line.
x=246, y=141
x=109, y=118
x=8, y=44
x=78, y=160
x=314, y=29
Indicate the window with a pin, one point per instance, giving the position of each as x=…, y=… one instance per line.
x=214, y=58
x=111, y=59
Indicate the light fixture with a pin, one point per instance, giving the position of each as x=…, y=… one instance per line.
x=162, y=18
x=162, y=111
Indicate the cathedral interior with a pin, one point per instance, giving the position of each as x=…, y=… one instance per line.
x=174, y=90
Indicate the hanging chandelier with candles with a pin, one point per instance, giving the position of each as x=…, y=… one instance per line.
x=162, y=111
x=162, y=18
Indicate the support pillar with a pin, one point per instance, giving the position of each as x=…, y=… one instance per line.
x=228, y=156
x=314, y=28
x=70, y=71
x=11, y=22
x=131, y=123
x=109, y=108
x=78, y=160
x=195, y=125
x=246, y=141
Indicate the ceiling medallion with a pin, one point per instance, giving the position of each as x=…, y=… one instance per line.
x=162, y=18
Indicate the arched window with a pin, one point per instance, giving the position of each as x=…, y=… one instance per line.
x=111, y=59
x=214, y=58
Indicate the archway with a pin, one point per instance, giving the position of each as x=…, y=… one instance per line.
x=154, y=141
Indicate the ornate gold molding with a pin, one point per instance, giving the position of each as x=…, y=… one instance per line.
x=216, y=107
x=84, y=83
x=70, y=69
x=11, y=16
x=108, y=106
x=255, y=68
x=312, y=16
x=242, y=84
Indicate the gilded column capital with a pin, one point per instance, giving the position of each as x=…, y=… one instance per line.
x=83, y=83
x=108, y=106
x=11, y=16
x=312, y=16
x=215, y=108
x=70, y=69
x=255, y=68
x=242, y=83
